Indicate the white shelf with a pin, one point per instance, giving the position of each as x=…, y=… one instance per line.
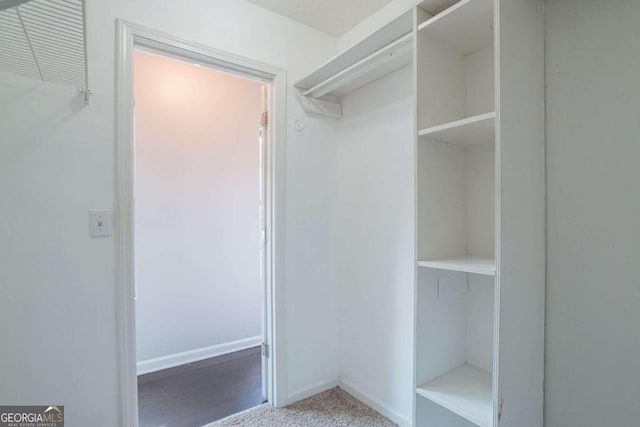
x=433, y=7
x=467, y=26
x=479, y=129
x=381, y=52
x=386, y=60
x=465, y=391
x=463, y=263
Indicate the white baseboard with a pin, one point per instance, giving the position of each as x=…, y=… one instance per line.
x=312, y=390
x=380, y=407
x=177, y=359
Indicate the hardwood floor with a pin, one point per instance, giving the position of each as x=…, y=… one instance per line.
x=196, y=394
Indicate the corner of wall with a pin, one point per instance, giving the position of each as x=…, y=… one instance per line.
x=312, y=390
x=385, y=410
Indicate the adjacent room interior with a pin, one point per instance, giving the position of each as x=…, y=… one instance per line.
x=199, y=277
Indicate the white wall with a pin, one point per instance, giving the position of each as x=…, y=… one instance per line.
x=390, y=11
x=593, y=213
x=197, y=224
x=57, y=289
x=374, y=243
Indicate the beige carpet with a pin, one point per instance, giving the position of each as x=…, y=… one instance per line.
x=333, y=407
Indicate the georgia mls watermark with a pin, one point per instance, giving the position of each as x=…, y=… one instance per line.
x=32, y=416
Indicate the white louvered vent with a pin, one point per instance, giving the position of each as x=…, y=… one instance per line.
x=45, y=40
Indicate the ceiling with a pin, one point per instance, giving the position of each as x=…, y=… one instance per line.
x=334, y=17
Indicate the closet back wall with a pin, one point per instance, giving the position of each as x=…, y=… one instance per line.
x=197, y=221
x=374, y=243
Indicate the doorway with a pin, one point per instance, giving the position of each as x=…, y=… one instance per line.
x=199, y=252
x=142, y=279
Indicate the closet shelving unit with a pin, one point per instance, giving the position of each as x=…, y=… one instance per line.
x=456, y=189
x=470, y=138
x=45, y=40
x=478, y=68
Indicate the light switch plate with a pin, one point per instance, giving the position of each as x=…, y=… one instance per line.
x=100, y=223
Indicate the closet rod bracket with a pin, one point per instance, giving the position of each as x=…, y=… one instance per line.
x=320, y=107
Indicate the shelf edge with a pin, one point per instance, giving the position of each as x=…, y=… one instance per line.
x=449, y=407
x=457, y=123
x=443, y=264
x=451, y=9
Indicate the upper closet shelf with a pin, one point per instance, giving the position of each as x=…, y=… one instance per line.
x=45, y=40
x=381, y=52
x=467, y=26
x=379, y=63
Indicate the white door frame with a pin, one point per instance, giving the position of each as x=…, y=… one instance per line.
x=130, y=36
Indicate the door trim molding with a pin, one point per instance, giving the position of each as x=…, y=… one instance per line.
x=129, y=37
